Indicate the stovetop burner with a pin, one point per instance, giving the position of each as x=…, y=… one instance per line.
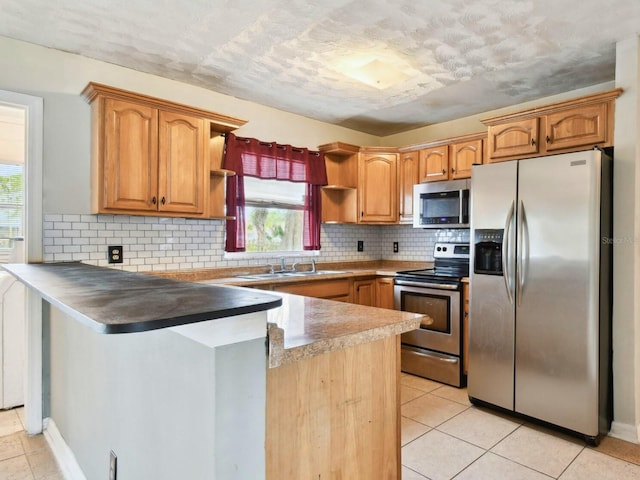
x=451, y=262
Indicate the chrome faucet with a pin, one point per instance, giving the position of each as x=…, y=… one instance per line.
x=313, y=265
x=283, y=265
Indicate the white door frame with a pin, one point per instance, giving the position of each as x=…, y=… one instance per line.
x=33, y=107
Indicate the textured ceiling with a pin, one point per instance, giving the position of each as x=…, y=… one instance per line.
x=455, y=57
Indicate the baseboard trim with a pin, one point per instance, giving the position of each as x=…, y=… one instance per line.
x=64, y=456
x=625, y=431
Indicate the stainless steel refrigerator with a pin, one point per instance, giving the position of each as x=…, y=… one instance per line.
x=540, y=289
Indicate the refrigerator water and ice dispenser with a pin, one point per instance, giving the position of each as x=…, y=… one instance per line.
x=488, y=252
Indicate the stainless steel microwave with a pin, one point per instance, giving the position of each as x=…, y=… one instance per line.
x=441, y=204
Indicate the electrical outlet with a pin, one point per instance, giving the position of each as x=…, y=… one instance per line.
x=395, y=247
x=360, y=246
x=115, y=254
x=113, y=466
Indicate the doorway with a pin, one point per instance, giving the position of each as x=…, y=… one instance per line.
x=20, y=241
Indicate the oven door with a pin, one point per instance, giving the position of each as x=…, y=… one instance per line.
x=442, y=305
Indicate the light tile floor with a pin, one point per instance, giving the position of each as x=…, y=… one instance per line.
x=445, y=437
x=22, y=456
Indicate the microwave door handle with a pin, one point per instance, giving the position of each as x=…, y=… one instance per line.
x=506, y=253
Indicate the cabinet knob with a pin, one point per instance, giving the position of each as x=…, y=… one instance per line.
x=154, y=200
x=163, y=201
x=548, y=139
x=444, y=172
x=453, y=170
x=533, y=142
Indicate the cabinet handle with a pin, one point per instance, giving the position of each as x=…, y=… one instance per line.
x=162, y=201
x=444, y=172
x=548, y=139
x=362, y=214
x=453, y=170
x=533, y=142
x=154, y=200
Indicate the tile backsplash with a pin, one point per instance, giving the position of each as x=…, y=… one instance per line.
x=160, y=243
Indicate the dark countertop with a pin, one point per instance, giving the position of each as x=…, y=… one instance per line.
x=116, y=301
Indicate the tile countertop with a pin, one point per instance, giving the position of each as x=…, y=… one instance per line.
x=115, y=301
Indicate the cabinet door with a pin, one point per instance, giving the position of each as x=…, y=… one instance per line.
x=463, y=156
x=581, y=126
x=515, y=139
x=434, y=164
x=181, y=163
x=364, y=292
x=408, y=177
x=129, y=166
x=384, y=292
x=378, y=188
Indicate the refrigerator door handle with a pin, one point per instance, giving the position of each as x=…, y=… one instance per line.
x=506, y=253
x=523, y=251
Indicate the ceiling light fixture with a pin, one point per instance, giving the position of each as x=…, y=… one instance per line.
x=377, y=70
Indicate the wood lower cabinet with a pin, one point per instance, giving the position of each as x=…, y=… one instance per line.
x=150, y=156
x=336, y=415
x=568, y=126
x=384, y=292
x=364, y=292
x=339, y=289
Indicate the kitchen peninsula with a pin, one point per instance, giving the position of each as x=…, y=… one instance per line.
x=184, y=380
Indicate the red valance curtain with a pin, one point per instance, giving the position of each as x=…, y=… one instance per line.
x=269, y=160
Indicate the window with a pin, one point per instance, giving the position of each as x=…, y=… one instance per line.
x=274, y=198
x=11, y=207
x=274, y=215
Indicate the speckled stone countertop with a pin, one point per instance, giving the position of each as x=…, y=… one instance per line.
x=115, y=301
x=232, y=275
x=304, y=327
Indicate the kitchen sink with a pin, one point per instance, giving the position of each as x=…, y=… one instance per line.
x=276, y=275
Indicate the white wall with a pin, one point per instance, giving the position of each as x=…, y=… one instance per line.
x=626, y=225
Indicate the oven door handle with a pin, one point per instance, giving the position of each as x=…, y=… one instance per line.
x=435, y=356
x=439, y=286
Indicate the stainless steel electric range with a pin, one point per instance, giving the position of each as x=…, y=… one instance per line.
x=434, y=350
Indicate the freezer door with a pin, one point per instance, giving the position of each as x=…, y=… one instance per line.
x=492, y=309
x=558, y=285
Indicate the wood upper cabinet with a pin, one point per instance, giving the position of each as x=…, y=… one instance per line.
x=513, y=139
x=580, y=126
x=450, y=158
x=181, y=172
x=408, y=171
x=150, y=156
x=568, y=126
x=463, y=155
x=377, y=187
x=129, y=152
x=434, y=164
x=340, y=196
